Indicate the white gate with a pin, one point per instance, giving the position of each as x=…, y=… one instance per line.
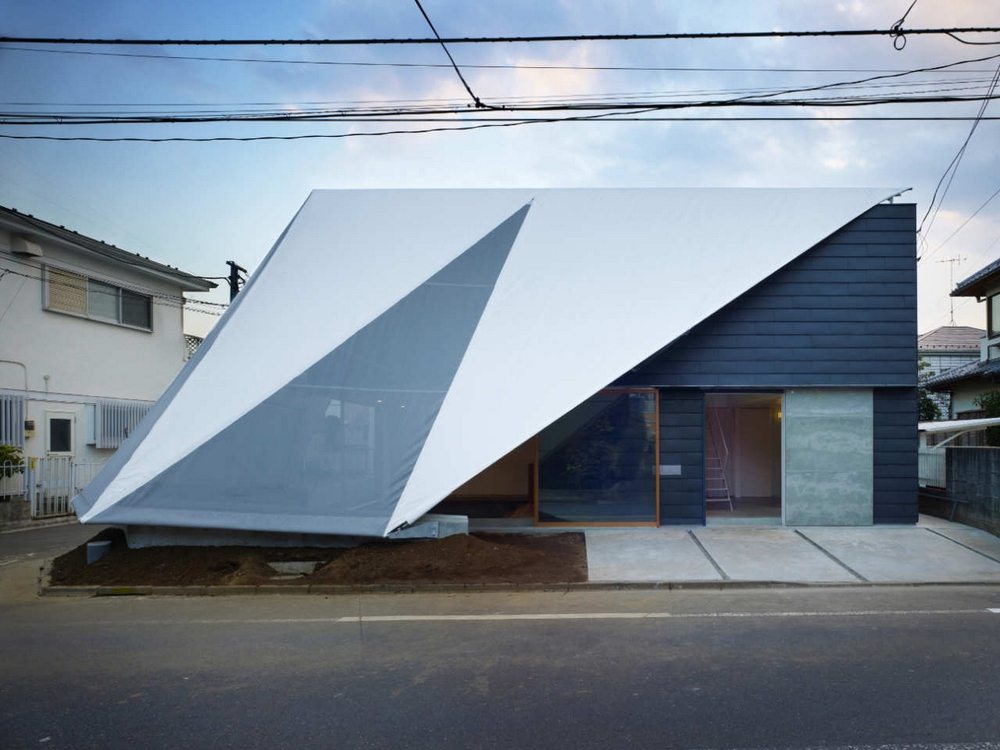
x=52, y=482
x=932, y=468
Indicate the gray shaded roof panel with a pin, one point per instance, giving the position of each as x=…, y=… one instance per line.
x=189, y=282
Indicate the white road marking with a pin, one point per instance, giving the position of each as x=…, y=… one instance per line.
x=535, y=617
x=995, y=610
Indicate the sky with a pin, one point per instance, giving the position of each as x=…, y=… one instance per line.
x=197, y=205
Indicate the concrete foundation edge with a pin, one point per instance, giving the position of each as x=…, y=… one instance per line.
x=45, y=587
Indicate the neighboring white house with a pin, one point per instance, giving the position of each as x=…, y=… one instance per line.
x=90, y=336
x=944, y=348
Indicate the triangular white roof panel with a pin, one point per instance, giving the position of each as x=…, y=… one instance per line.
x=346, y=258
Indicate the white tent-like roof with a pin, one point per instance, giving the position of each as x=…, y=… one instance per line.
x=395, y=343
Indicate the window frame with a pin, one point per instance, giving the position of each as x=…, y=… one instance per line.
x=88, y=280
x=50, y=417
x=992, y=319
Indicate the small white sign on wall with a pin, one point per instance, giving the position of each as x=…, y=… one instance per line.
x=670, y=470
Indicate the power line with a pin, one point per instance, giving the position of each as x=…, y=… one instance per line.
x=347, y=107
x=968, y=41
x=491, y=122
x=899, y=36
x=952, y=167
x=363, y=41
x=155, y=297
x=22, y=120
x=475, y=99
x=963, y=224
x=752, y=99
x=480, y=66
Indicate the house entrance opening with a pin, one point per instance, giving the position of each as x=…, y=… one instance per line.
x=743, y=458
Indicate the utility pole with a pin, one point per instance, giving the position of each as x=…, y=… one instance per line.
x=952, y=262
x=237, y=278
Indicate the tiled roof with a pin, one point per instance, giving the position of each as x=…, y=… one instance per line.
x=988, y=369
x=972, y=286
x=951, y=339
x=189, y=281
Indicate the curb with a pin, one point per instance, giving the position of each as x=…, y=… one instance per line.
x=45, y=587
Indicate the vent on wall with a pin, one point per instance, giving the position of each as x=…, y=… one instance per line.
x=24, y=246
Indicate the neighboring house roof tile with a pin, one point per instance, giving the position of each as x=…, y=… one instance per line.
x=974, y=285
x=948, y=339
x=970, y=371
x=189, y=282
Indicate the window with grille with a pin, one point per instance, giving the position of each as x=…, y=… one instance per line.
x=115, y=420
x=12, y=420
x=76, y=294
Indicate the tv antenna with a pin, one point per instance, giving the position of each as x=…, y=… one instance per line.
x=952, y=262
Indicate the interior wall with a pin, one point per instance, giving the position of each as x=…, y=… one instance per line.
x=508, y=477
x=757, y=467
x=751, y=428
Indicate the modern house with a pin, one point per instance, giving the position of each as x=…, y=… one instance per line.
x=967, y=382
x=90, y=336
x=568, y=357
x=944, y=348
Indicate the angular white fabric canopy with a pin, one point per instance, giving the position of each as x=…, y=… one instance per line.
x=394, y=343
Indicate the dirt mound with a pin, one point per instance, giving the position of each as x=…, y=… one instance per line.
x=482, y=558
x=477, y=558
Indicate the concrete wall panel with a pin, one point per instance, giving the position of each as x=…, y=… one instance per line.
x=829, y=446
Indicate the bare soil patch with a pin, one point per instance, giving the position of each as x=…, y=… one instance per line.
x=473, y=558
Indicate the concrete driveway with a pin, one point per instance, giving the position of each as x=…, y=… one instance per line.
x=934, y=551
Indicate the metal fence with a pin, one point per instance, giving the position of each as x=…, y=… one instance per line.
x=12, y=480
x=49, y=484
x=931, y=471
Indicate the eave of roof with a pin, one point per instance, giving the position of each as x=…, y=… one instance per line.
x=977, y=283
x=972, y=370
x=31, y=225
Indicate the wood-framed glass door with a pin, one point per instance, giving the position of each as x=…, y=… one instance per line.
x=599, y=464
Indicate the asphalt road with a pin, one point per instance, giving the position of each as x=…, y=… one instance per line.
x=42, y=542
x=597, y=670
x=906, y=667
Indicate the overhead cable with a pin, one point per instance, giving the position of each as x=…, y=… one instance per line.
x=491, y=122
x=365, y=41
x=476, y=100
x=480, y=66
x=952, y=168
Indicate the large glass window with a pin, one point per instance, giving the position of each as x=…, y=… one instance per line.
x=598, y=463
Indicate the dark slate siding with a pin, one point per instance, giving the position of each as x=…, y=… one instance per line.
x=843, y=313
x=896, y=441
x=682, y=427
